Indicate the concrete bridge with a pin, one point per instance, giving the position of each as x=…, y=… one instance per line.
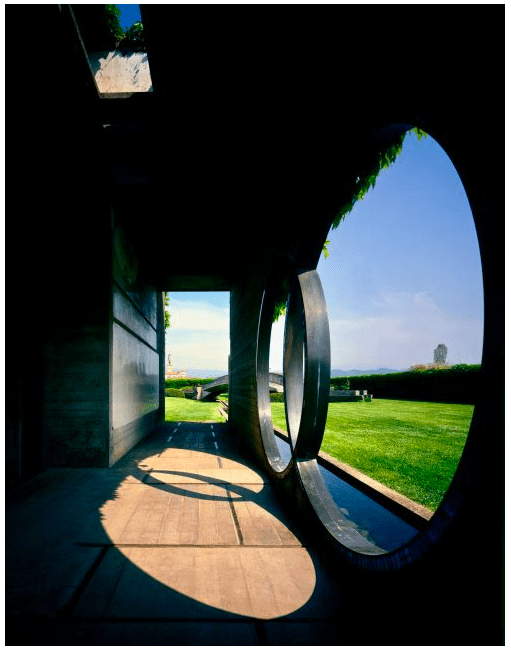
x=219, y=385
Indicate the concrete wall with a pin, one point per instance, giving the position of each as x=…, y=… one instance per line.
x=74, y=321
x=75, y=397
x=137, y=322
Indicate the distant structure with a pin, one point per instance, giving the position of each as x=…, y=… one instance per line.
x=170, y=374
x=440, y=354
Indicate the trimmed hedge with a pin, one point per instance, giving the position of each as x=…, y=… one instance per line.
x=460, y=384
x=179, y=383
x=174, y=393
x=276, y=397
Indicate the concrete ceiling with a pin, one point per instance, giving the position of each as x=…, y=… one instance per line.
x=223, y=167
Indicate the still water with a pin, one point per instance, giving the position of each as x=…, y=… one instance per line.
x=371, y=520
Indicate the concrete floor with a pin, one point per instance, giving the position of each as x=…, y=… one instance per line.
x=182, y=542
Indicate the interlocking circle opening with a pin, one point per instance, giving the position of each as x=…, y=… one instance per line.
x=306, y=369
x=306, y=392
x=279, y=466
x=306, y=365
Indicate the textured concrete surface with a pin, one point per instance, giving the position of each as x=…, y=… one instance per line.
x=181, y=542
x=135, y=363
x=117, y=72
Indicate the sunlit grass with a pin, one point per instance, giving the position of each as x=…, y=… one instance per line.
x=190, y=410
x=411, y=447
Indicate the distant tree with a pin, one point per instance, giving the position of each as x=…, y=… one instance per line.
x=440, y=354
x=113, y=15
x=134, y=37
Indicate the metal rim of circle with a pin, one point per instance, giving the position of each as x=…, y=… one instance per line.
x=306, y=390
x=306, y=370
x=272, y=452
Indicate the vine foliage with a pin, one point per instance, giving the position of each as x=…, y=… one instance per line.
x=384, y=158
x=167, y=313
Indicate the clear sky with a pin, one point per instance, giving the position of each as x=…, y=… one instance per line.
x=199, y=334
x=129, y=15
x=403, y=275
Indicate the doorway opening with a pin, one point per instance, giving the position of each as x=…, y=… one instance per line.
x=197, y=350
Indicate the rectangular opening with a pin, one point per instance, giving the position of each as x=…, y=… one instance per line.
x=197, y=348
x=114, y=39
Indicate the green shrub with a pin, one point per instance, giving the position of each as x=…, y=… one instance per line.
x=174, y=393
x=276, y=397
x=340, y=383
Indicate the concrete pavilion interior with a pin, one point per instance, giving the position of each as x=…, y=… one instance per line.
x=122, y=529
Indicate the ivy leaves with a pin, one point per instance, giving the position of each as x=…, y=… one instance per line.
x=167, y=313
x=383, y=159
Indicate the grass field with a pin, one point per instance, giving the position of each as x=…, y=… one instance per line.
x=411, y=447
x=187, y=410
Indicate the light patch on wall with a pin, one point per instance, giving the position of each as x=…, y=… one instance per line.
x=121, y=72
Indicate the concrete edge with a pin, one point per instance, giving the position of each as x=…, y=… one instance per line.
x=223, y=413
x=411, y=512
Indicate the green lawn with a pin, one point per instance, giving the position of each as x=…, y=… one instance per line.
x=184, y=409
x=412, y=447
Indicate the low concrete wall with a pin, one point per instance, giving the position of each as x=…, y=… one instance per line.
x=349, y=395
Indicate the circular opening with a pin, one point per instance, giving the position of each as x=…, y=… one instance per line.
x=413, y=282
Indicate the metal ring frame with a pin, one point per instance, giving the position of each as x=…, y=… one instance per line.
x=263, y=379
x=306, y=386
x=306, y=390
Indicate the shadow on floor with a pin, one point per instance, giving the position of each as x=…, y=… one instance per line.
x=183, y=541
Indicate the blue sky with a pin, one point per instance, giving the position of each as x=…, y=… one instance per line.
x=403, y=275
x=129, y=14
